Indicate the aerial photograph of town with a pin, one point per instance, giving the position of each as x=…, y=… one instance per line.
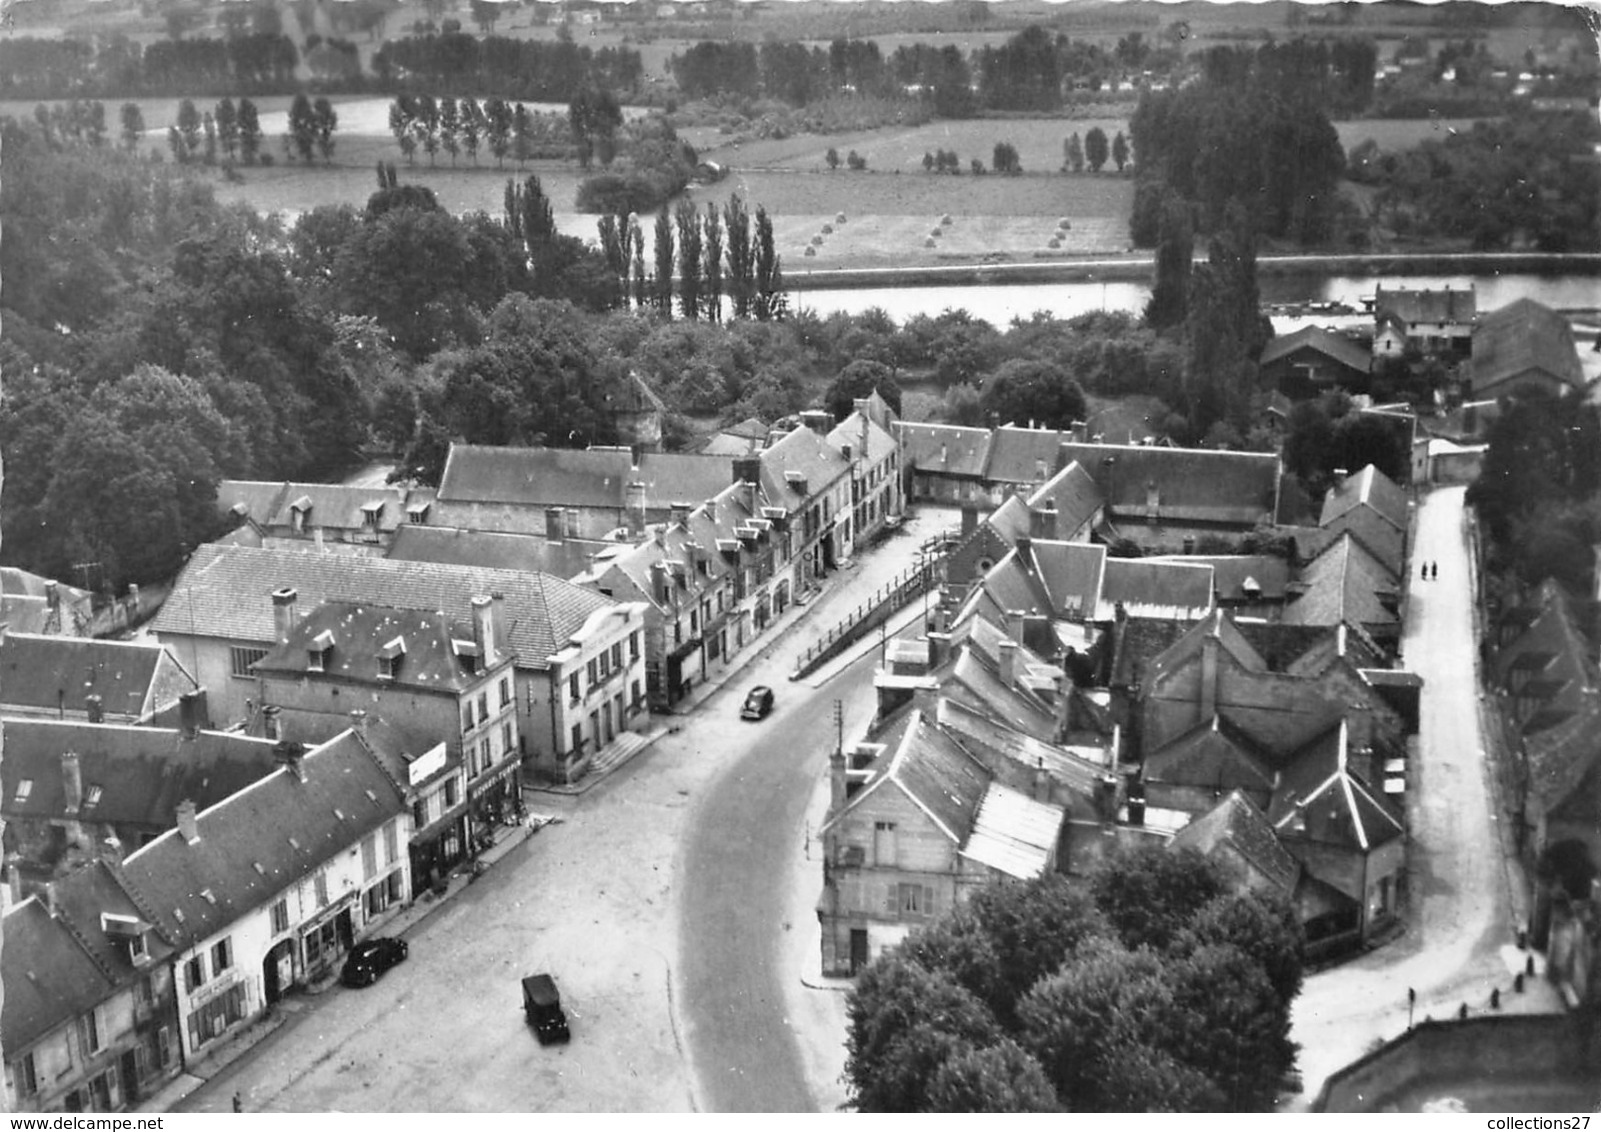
x=800, y=556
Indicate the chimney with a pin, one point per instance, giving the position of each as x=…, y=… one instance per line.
x=1339, y=476
x=291, y=754
x=497, y=611
x=845, y=450
x=50, y=899
x=939, y=649
x=1209, y=646
x=555, y=524
x=1025, y=548
x=944, y=453
x=1008, y=662
x=658, y=582
x=1042, y=782
x=358, y=722
x=1064, y=706
x=969, y=519
x=188, y=822
x=133, y=599
x=1014, y=625
x=1136, y=803
x=635, y=503
x=748, y=469
x=95, y=707
x=71, y=782
x=680, y=515
x=818, y=420
x=283, y=613
x=52, y=594
x=1189, y=544
x=1106, y=797
x=711, y=509
x=836, y=781
x=1042, y=523
x=861, y=409
x=1039, y=469
x=189, y=713
x=271, y=725
x=484, y=632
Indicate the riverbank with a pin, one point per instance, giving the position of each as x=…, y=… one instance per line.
x=1138, y=268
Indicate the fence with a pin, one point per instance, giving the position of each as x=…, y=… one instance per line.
x=895, y=595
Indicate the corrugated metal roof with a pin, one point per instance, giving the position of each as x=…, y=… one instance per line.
x=1013, y=833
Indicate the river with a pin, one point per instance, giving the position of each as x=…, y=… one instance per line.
x=998, y=304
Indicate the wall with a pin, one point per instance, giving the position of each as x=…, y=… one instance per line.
x=315, y=710
x=209, y=661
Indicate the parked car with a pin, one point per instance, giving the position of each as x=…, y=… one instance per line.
x=758, y=703
x=542, y=1007
x=371, y=958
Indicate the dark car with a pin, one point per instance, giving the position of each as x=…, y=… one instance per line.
x=758, y=703
x=542, y=1006
x=371, y=958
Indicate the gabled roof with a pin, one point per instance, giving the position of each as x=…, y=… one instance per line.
x=1076, y=494
x=1319, y=799
x=975, y=727
x=257, y=842
x=47, y=672
x=1336, y=346
x=1426, y=305
x=1023, y=455
x=358, y=641
x=332, y=505
x=1213, y=753
x=1347, y=583
x=740, y=439
x=1152, y=587
x=849, y=431
x=933, y=771
x=1241, y=577
x=225, y=592
x=397, y=747
x=1522, y=336
x=1014, y=834
x=1236, y=823
x=975, y=684
x=1552, y=649
x=948, y=449
x=1560, y=757
x=802, y=451
x=1369, y=488
x=576, y=477
x=453, y=546
x=1191, y=484
x=49, y=977
x=142, y=772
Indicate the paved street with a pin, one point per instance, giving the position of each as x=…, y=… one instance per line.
x=1460, y=930
x=668, y=902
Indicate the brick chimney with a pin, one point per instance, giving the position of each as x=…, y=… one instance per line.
x=1007, y=659
x=484, y=633
x=819, y=421
x=747, y=469
x=1043, y=522
x=710, y=507
x=71, y=782
x=271, y=724
x=680, y=515
x=1014, y=625
x=292, y=755
x=658, y=582
x=861, y=409
x=1041, y=782
x=189, y=713
x=283, y=613
x=188, y=822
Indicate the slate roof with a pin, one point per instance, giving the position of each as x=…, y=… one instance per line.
x=225, y=592
x=1194, y=484
x=849, y=431
x=803, y=451
x=331, y=505
x=356, y=637
x=577, y=477
x=46, y=672
x=396, y=748
x=1336, y=346
x=1073, y=574
x=1023, y=455
x=143, y=772
x=1347, y=583
x=977, y=727
x=1175, y=587
x=949, y=449
x=1319, y=799
x=49, y=978
x=1560, y=757
x=1076, y=494
x=1209, y=754
x=1369, y=488
x=1522, y=336
x=742, y=439
x=1552, y=648
x=1426, y=305
x=498, y=550
x=24, y=604
x=261, y=840
x=1230, y=573
x=932, y=770
x=1237, y=823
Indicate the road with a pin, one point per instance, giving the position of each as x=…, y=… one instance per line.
x=1458, y=943
x=664, y=900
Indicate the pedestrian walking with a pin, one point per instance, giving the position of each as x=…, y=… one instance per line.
x=1434, y=571
x=238, y=1105
x=1423, y=573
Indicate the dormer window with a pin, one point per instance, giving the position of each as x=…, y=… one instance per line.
x=300, y=514
x=371, y=513
x=127, y=933
x=91, y=797
x=389, y=658
x=322, y=645
x=417, y=513
x=24, y=790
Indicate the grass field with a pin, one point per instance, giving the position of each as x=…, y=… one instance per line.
x=1394, y=135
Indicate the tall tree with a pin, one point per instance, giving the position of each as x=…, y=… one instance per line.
x=426, y=125
x=687, y=220
x=1073, y=153
x=1120, y=151
x=1096, y=149
x=303, y=127
x=1175, y=252
x=227, y=129
x=712, y=264
x=450, y=127
x=189, y=128
x=249, y=131
x=402, y=111
x=133, y=125
x=472, y=126
x=766, y=271
x=498, y=129
x=325, y=120
x=741, y=277
x=663, y=279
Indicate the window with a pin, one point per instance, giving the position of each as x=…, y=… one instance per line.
x=27, y=1075
x=486, y=754
x=391, y=844
x=320, y=883
x=280, y=917
x=222, y=954
x=194, y=973
x=377, y=899
x=91, y=1032
x=483, y=707
x=419, y=814
x=241, y=657
x=915, y=899
x=24, y=789
x=388, y=667
x=467, y=716
x=505, y=691
x=605, y=664
x=594, y=671
x=617, y=656
x=369, y=856
x=572, y=687
x=578, y=738
x=91, y=797
x=634, y=692
x=450, y=792
x=633, y=640
x=217, y=1015
x=506, y=740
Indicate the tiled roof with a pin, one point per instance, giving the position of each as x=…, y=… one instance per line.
x=949, y=449
x=261, y=840
x=975, y=684
x=1237, y=823
x=1336, y=346
x=976, y=727
x=1014, y=834
x=226, y=592
x=1414, y=306
x=453, y=546
x=1369, y=488
x=1347, y=583
x=1241, y=577
x=49, y=977
x=1073, y=574
x=940, y=777
x=419, y=643
x=575, y=477
x=1560, y=757
x=849, y=431
x=54, y=671
x=817, y=461
x=1023, y=455
x=143, y=772
x=1212, y=753
x=1137, y=645
x=1076, y=494
x=1191, y=484
x=1319, y=799
x=1523, y=335
x=1176, y=588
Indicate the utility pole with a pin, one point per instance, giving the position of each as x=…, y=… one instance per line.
x=839, y=726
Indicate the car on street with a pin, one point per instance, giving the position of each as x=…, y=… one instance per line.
x=542, y=1006
x=758, y=703
x=371, y=958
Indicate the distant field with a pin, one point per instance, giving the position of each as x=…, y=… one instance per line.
x=1393, y=135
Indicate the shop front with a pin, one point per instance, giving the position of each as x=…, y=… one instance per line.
x=495, y=799
x=324, y=941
